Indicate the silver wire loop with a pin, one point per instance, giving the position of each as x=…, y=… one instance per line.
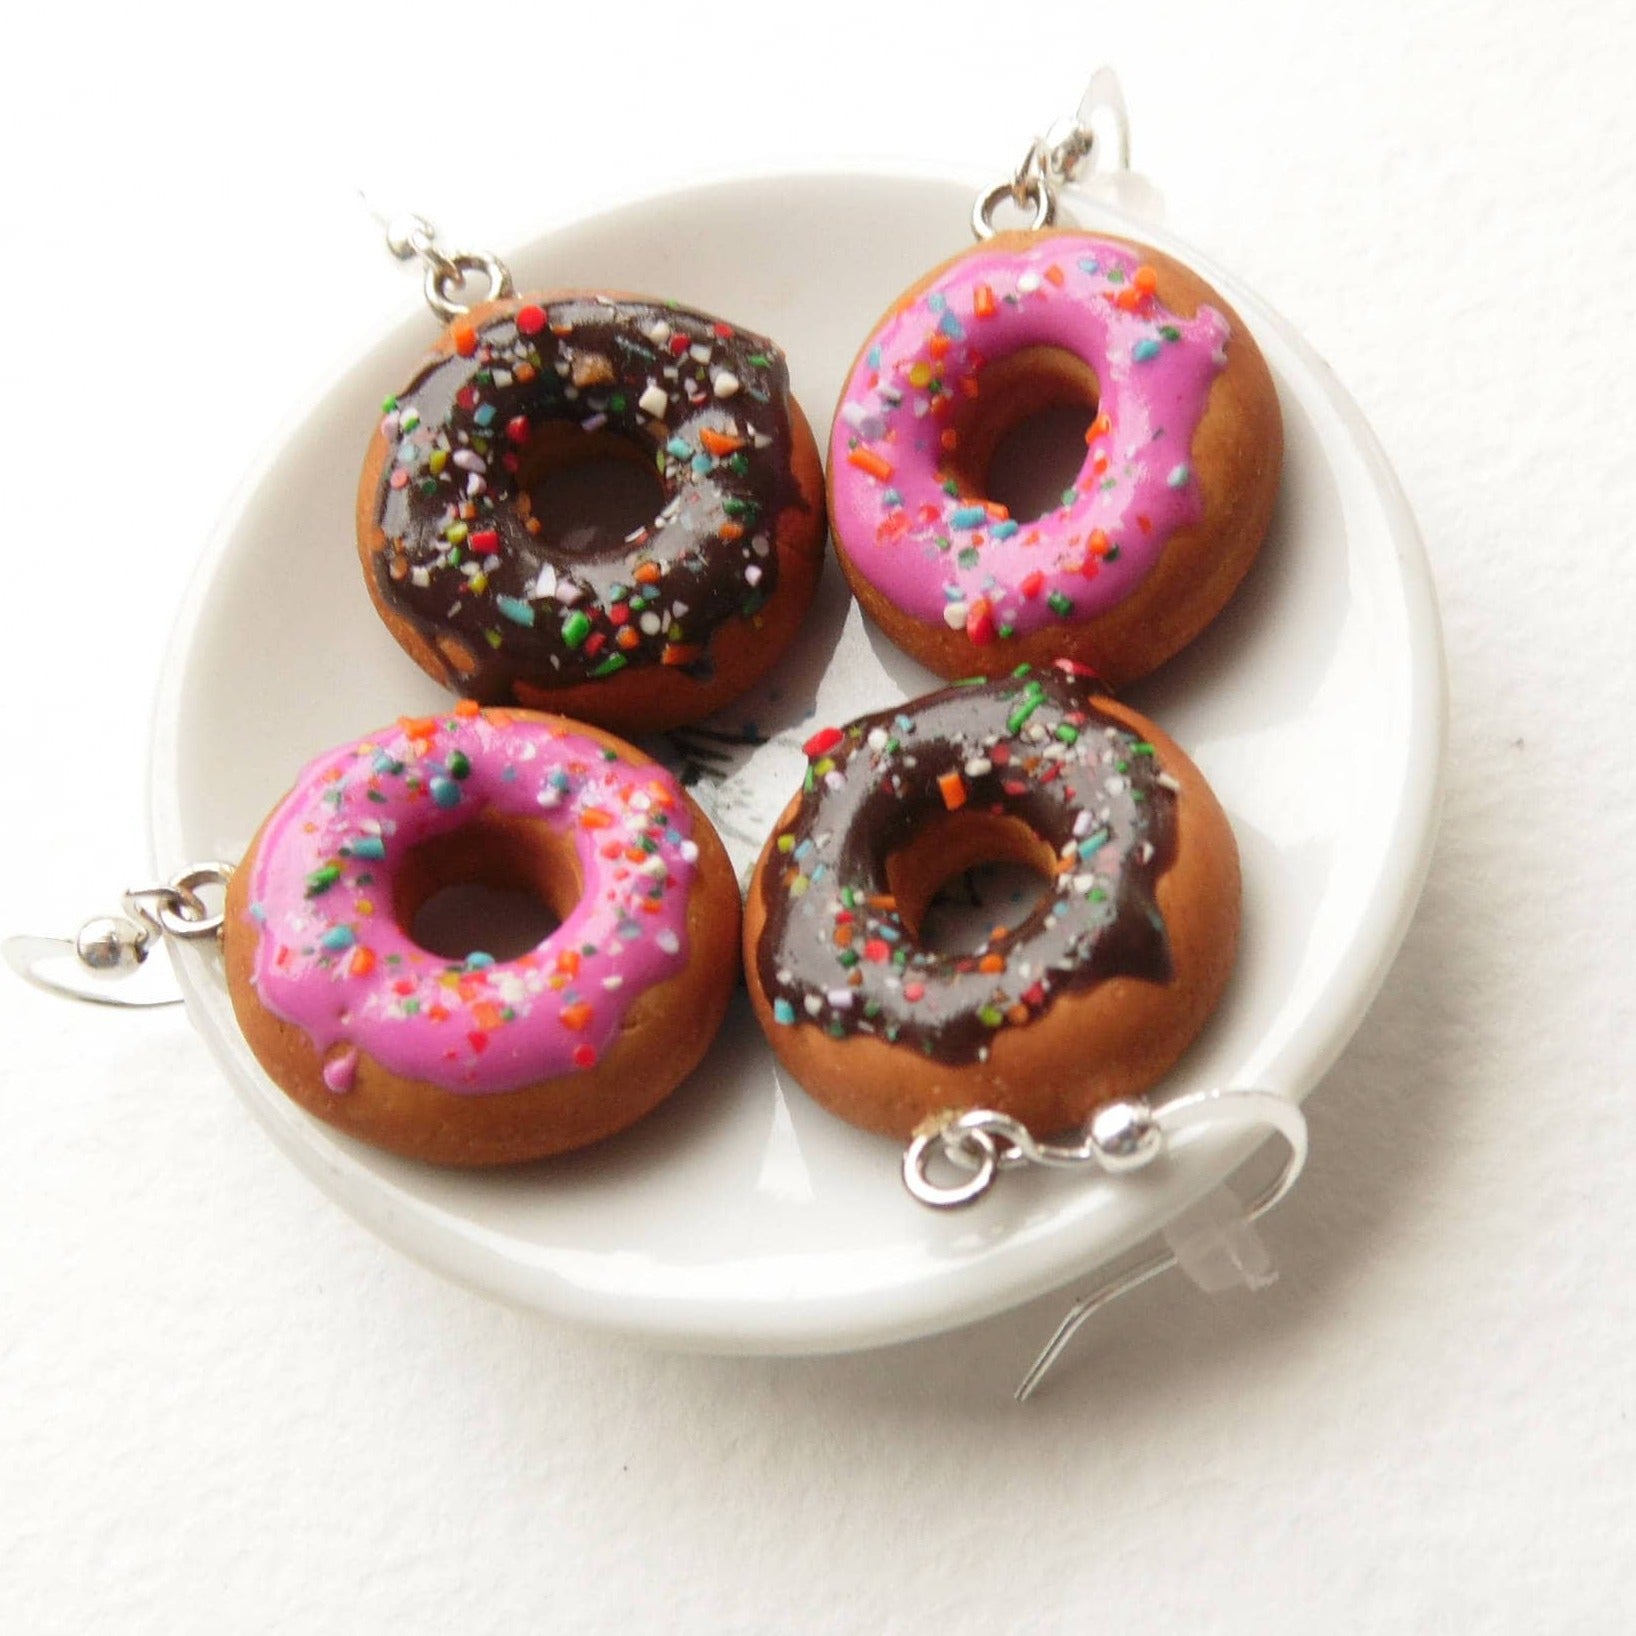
x=176, y=909
x=409, y=235
x=412, y=238
x=1073, y=148
x=1120, y=1137
x=114, y=946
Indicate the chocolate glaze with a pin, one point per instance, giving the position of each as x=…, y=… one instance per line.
x=835, y=951
x=463, y=556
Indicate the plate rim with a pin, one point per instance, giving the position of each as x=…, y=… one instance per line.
x=445, y=1240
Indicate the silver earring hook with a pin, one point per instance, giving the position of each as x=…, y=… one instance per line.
x=410, y=237
x=110, y=947
x=1081, y=143
x=1073, y=148
x=1119, y=1139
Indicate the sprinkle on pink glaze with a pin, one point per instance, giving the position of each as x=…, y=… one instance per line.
x=943, y=556
x=331, y=958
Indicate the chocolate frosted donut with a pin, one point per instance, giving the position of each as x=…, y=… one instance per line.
x=1092, y=996
x=660, y=628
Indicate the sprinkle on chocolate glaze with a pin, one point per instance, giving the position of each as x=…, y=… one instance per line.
x=466, y=557
x=835, y=951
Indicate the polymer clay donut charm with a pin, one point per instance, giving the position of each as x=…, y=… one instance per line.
x=1183, y=450
x=1091, y=997
x=640, y=634
x=482, y=1061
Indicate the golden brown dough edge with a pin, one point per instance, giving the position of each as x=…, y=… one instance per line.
x=665, y=1035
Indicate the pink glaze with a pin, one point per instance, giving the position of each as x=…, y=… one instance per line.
x=341, y=1072
x=332, y=959
x=956, y=559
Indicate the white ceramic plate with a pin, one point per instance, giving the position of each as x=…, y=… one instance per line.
x=740, y=1216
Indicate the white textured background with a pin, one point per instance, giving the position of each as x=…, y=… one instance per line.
x=224, y=1407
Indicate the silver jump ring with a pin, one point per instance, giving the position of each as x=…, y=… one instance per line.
x=176, y=909
x=191, y=918
x=1028, y=190
x=449, y=273
x=930, y=1145
x=412, y=238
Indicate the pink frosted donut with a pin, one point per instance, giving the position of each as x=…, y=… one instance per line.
x=482, y=1061
x=1163, y=518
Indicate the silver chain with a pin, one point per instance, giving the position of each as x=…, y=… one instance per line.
x=412, y=238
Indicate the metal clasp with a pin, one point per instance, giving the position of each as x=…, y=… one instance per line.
x=1069, y=152
x=114, y=946
x=412, y=238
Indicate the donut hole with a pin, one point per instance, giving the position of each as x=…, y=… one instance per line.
x=589, y=491
x=498, y=885
x=471, y=918
x=1021, y=440
x=963, y=874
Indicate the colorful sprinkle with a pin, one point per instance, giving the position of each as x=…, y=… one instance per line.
x=867, y=460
